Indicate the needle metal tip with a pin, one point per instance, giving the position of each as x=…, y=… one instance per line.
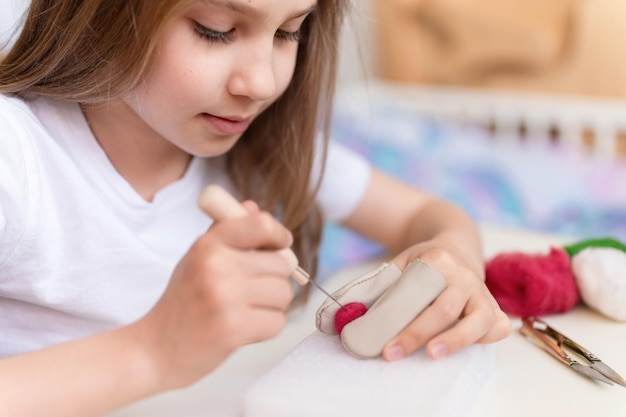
x=302, y=277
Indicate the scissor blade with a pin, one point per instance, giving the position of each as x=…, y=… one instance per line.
x=590, y=372
x=608, y=372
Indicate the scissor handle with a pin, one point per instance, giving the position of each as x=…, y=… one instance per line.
x=540, y=338
x=561, y=339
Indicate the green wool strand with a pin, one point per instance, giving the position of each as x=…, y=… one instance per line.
x=605, y=242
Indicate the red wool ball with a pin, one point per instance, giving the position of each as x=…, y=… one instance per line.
x=532, y=285
x=349, y=312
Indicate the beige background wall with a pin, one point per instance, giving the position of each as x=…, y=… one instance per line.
x=560, y=46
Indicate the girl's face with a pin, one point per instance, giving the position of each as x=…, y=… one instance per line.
x=218, y=66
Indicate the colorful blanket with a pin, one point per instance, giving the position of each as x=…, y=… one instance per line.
x=506, y=181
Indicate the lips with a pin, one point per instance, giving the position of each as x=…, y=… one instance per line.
x=231, y=125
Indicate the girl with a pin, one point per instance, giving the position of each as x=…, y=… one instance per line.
x=115, y=114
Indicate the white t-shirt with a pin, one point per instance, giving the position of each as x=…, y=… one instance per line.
x=80, y=250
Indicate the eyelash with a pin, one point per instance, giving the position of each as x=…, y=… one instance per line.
x=214, y=36
x=290, y=36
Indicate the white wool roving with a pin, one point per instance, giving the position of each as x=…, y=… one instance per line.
x=600, y=274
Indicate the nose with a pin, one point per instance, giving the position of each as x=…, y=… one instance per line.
x=253, y=73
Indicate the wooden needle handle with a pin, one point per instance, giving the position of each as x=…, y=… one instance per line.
x=220, y=205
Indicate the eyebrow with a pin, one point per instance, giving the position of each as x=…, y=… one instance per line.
x=243, y=8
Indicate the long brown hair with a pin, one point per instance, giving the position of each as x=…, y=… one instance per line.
x=89, y=51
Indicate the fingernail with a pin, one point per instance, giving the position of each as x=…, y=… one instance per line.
x=290, y=238
x=438, y=351
x=395, y=353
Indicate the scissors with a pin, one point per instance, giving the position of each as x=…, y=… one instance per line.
x=554, y=342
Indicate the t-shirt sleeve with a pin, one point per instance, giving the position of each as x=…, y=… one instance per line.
x=344, y=182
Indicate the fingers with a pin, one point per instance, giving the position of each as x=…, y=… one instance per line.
x=482, y=324
x=258, y=230
x=432, y=321
x=269, y=293
x=243, y=258
x=266, y=325
x=454, y=321
x=260, y=290
x=500, y=330
x=231, y=288
x=218, y=299
x=251, y=308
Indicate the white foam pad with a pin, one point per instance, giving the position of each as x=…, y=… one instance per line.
x=319, y=378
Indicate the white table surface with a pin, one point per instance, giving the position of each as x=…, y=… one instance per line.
x=527, y=381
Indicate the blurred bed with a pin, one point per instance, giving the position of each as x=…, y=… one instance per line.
x=544, y=163
x=515, y=110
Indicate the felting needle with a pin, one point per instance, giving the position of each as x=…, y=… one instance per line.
x=220, y=205
x=299, y=271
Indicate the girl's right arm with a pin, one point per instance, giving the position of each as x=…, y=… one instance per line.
x=222, y=295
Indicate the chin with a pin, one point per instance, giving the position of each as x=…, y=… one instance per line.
x=215, y=149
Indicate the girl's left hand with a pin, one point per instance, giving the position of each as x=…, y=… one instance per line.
x=463, y=314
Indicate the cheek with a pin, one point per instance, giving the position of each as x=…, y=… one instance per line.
x=178, y=69
x=163, y=97
x=286, y=63
x=174, y=87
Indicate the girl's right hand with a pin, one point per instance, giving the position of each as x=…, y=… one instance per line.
x=230, y=289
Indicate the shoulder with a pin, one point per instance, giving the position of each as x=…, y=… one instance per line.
x=23, y=126
x=12, y=108
x=17, y=120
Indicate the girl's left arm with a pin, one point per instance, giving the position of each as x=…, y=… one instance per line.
x=414, y=224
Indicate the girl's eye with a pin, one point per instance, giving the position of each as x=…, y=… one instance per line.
x=214, y=36
x=289, y=36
